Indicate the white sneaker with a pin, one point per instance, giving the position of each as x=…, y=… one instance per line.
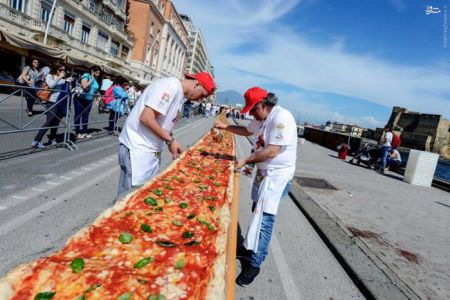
x=53, y=142
x=37, y=144
x=87, y=136
x=80, y=136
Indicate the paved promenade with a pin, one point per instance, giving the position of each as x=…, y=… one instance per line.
x=402, y=227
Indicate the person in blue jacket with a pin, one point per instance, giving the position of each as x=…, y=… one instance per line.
x=118, y=106
x=83, y=102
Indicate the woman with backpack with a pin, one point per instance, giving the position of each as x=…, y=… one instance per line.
x=55, y=106
x=31, y=77
x=83, y=102
x=116, y=99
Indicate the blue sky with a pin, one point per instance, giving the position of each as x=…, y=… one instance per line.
x=348, y=61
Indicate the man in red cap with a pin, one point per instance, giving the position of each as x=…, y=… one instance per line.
x=274, y=153
x=150, y=125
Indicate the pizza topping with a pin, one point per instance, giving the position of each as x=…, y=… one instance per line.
x=125, y=238
x=176, y=223
x=166, y=244
x=211, y=208
x=167, y=200
x=159, y=297
x=202, y=187
x=204, y=222
x=158, y=192
x=180, y=264
x=183, y=205
x=188, y=235
x=77, y=265
x=125, y=296
x=191, y=216
x=192, y=243
x=146, y=228
x=151, y=201
x=44, y=296
x=143, y=262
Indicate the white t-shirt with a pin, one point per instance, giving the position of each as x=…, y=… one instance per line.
x=164, y=96
x=396, y=155
x=388, y=136
x=280, y=129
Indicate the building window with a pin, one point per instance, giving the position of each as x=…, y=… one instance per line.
x=104, y=16
x=151, y=28
x=46, y=7
x=114, y=48
x=92, y=6
x=69, y=22
x=124, y=53
x=102, y=40
x=155, y=58
x=20, y=5
x=85, y=32
x=120, y=4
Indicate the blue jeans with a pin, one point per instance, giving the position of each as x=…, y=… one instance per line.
x=266, y=232
x=82, y=110
x=125, y=170
x=384, y=154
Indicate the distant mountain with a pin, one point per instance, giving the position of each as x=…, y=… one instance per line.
x=229, y=97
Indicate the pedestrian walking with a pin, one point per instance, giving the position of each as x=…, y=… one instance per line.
x=56, y=106
x=31, y=77
x=83, y=102
x=117, y=106
x=275, y=154
x=386, y=146
x=208, y=109
x=150, y=124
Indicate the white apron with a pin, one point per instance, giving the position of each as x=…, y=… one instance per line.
x=267, y=190
x=144, y=165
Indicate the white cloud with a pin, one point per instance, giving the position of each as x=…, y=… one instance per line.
x=288, y=57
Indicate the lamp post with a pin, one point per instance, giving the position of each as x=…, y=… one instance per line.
x=147, y=55
x=47, y=27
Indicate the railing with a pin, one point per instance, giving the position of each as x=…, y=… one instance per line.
x=13, y=119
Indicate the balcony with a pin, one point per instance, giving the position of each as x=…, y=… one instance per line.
x=19, y=19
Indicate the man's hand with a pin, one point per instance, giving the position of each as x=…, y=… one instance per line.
x=220, y=125
x=239, y=164
x=176, y=149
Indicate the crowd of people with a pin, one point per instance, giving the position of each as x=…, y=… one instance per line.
x=52, y=86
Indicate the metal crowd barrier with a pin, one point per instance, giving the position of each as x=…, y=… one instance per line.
x=12, y=123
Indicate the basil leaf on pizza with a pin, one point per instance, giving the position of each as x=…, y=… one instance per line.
x=146, y=228
x=143, y=262
x=166, y=244
x=126, y=238
x=77, y=265
x=180, y=264
x=151, y=201
x=44, y=296
x=125, y=296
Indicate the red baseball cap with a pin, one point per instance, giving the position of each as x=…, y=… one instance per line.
x=253, y=96
x=204, y=79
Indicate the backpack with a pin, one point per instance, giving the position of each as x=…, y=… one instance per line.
x=109, y=95
x=395, y=140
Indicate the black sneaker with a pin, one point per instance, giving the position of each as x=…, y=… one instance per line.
x=247, y=275
x=241, y=252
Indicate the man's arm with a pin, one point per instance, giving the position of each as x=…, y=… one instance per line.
x=239, y=130
x=148, y=119
x=259, y=156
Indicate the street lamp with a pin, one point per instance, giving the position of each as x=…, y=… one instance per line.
x=49, y=21
x=147, y=55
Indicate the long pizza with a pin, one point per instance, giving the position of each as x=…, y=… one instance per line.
x=166, y=240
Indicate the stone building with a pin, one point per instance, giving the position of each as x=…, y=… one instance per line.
x=426, y=132
x=82, y=33
x=197, y=53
